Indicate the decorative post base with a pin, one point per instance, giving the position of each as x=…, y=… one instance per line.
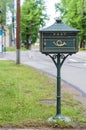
x=60, y=118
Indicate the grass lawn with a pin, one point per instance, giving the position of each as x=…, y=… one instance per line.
x=10, y=49
x=22, y=90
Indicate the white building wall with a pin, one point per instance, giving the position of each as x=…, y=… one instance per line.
x=7, y=39
x=0, y=43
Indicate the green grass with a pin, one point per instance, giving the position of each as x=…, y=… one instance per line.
x=14, y=49
x=82, y=49
x=21, y=90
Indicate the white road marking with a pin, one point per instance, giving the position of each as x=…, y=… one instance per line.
x=85, y=64
x=72, y=60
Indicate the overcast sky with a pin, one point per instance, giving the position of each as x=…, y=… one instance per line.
x=50, y=4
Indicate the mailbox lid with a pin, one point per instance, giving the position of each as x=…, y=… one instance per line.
x=59, y=26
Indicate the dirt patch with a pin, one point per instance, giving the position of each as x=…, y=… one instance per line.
x=77, y=95
x=65, y=88
x=27, y=92
x=41, y=128
x=48, y=102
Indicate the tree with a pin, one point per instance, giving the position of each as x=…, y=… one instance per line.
x=3, y=8
x=32, y=16
x=74, y=14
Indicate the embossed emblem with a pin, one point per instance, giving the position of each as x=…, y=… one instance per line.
x=59, y=43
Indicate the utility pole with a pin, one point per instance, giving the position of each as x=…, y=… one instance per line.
x=18, y=33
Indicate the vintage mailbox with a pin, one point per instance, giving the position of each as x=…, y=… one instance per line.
x=58, y=38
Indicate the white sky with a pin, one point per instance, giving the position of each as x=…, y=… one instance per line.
x=50, y=5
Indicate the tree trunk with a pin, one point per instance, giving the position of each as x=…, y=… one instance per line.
x=82, y=44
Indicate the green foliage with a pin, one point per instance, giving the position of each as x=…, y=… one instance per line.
x=74, y=14
x=32, y=16
x=3, y=8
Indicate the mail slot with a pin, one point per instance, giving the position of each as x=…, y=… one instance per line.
x=59, y=38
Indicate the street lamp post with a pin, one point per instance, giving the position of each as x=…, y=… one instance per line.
x=13, y=29
x=0, y=32
x=0, y=15
x=18, y=33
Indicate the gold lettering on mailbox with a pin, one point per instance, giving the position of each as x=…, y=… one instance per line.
x=59, y=43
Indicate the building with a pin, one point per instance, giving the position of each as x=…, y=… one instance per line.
x=5, y=40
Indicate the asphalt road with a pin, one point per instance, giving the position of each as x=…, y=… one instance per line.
x=73, y=70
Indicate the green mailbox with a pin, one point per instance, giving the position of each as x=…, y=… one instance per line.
x=54, y=41
x=59, y=38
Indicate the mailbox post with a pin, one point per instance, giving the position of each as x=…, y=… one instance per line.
x=59, y=41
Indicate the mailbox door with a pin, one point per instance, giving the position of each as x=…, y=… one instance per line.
x=59, y=43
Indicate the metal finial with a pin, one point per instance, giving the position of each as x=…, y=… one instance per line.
x=0, y=11
x=58, y=20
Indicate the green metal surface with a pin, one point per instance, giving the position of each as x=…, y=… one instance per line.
x=63, y=45
x=58, y=107
x=59, y=38
x=58, y=61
